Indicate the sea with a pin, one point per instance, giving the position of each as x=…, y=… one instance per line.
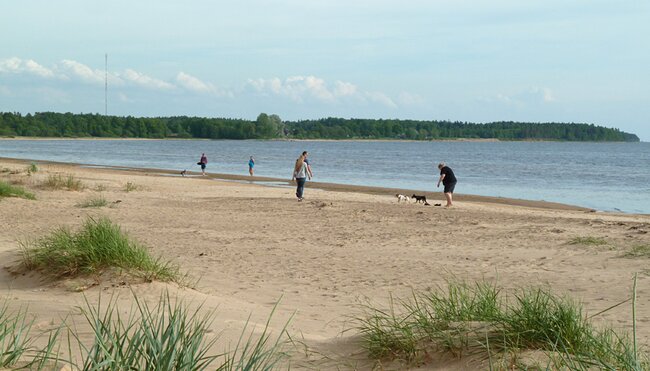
x=601, y=176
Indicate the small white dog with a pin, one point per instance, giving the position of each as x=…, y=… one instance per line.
x=402, y=198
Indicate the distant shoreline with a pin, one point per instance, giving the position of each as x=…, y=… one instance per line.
x=457, y=140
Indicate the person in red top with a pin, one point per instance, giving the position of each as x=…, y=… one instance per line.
x=203, y=162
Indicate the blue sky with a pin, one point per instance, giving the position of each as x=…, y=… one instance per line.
x=479, y=61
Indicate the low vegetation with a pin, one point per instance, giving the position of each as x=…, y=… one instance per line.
x=8, y=190
x=32, y=168
x=98, y=245
x=97, y=201
x=58, y=181
x=638, y=251
x=165, y=336
x=588, y=241
x=14, y=335
x=131, y=187
x=479, y=319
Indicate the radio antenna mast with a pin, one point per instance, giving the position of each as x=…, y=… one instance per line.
x=106, y=84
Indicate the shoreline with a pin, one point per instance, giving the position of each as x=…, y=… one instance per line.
x=336, y=187
x=473, y=140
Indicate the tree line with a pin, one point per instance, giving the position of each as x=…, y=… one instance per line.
x=69, y=125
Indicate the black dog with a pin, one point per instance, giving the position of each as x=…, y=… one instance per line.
x=183, y=172
x=419, y=199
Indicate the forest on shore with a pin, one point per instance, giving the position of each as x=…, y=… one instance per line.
x=69, y=125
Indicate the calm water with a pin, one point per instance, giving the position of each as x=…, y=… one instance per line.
x=603, y=176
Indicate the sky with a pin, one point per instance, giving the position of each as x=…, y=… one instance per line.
x=584, y=61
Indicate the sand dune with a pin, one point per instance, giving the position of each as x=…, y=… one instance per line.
x=251, y=246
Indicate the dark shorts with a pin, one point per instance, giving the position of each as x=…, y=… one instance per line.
x=449, y=188
x=202, y=166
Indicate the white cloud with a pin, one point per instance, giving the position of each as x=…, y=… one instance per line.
x=145, y=81
x=381, y=98
x=75, y=70
x=19, y=66
x=344, y=89
x=299, y=88
x=531, y=96
x=192, y=83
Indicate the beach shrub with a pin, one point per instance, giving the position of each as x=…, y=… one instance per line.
x=69, y=182
x=464, y=319
x=98, y=245
x=8, y=190
x=98, y=201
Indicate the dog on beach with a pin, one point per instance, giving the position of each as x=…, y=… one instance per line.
x=183, y=172
x=402, y=198
x=419, y=199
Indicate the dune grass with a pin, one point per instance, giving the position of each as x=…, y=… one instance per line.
x=32, y=168
x=8, y=190
x=98, y=245
x=69, y=182
x=14, y=335
x=593, y=241
x=165, y=336
x=257, y=352
x=638, y=251
x=131, y=187
x=478, y=319
x=97, y=201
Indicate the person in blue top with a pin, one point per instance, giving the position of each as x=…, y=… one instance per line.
x=251, y=164
x=448, y=180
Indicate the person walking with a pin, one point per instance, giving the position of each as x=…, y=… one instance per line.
x=251, y=164
x=448, y=180
x=203, y=162
x=301, y=172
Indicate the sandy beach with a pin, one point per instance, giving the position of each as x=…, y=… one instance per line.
x=250, y=246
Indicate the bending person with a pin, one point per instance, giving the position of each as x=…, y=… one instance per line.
x=448, y=179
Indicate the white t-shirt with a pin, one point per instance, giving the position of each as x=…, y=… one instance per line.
x=302, y=173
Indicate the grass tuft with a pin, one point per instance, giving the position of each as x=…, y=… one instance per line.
x=130, y=187
x=165, y=336
x=98, y=201
x=69, y=182
x=8, y=190
x=464, y=319
x=14, y=335
x=257, y=352
x=97, y=246
x=639, y=251
x=589, y=241
x=32, y=168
